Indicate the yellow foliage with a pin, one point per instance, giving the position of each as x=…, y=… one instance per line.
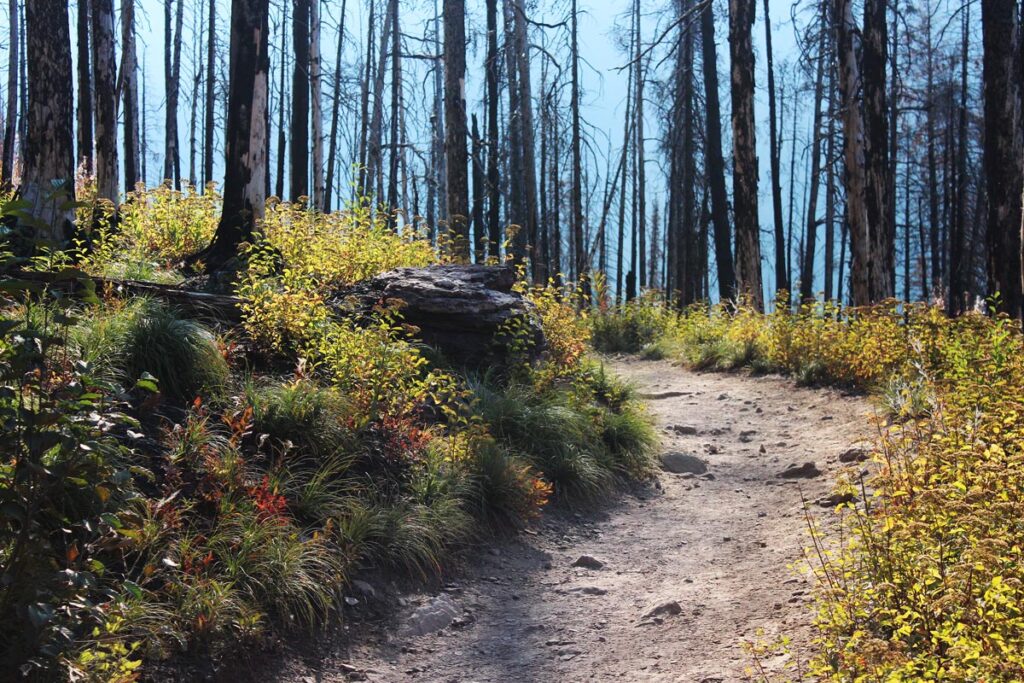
x=928, y=580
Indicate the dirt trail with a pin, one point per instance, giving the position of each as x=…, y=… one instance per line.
x=718, y=545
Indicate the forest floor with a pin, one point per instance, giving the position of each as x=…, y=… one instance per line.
x=693, y=565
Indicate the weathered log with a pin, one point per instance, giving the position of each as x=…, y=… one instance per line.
x=468, y=312
x=222, y=308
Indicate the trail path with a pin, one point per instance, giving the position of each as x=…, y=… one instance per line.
x=714, y=551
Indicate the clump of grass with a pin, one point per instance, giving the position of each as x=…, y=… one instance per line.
x=300, y=415
x=182, y=354
x=631, y=442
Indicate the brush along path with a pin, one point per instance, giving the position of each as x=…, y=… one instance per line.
x=688, y=571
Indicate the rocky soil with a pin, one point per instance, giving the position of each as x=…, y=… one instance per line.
x=663, y=585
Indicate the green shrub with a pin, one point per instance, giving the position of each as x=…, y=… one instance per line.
x=299, y=416
x=505, y=492
x=631, y=442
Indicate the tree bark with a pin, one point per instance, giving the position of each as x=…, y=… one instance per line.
x=807, y=272
x=332, y=147
x=246, y=134
x=172, y=78
x=130, y=95
x=745, y=172
x=11, y=124
x=85, y=97
x=876, y=150
x=713, y=160
x=456, y=154
x=48, y=176
x=298, y=168
x=854, y=164
x=781, y=281
x=211, y=87
x=1002, y=152
x=492, y=68
x=105, y=89
x=316, y=93
x=579, y=248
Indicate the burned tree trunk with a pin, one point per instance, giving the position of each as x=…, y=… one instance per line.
x=1002, y=152
x=748, y=230
x=48, y=177
x=455, y=151
x=11, y=123
x=85, y=98
x=714, y=161
x=130, y=95
x=298, y=168
x=105, y=88
x=246, y=135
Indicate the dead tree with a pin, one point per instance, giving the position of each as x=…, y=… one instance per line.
x=48, y=175
x=11, y=122
x=745, y=172
x=332, y=145
x=774, y=152
x=316, y=95
x=298, y=168
x=455, y=152
x=1003, y=152
x=85, y=97
x=714, y=161
x=104, y=72
x=245, y=145
x=129, y=85
x=172, y=80
x=211, y=86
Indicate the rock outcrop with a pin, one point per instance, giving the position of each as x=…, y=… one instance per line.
x=468, y=312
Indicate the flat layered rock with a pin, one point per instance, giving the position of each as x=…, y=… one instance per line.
x=467, y=312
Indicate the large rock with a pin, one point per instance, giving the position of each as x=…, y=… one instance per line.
x=435, y=615
x=465, y=311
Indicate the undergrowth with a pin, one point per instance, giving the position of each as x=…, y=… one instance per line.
x=170, y=487
x=925, y=580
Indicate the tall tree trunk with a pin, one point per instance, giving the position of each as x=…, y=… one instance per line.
x=375, y=159
x=85, y=96
x=211, y=86
x=876, y=150
x=492, y=68
x=48, y=176
x=714, y=162
x=641, y=189
x=781, y=281
x=456, y=154
x=516, y=172
x=298, y=168
x=245, y=138
x=364, y=117
x=129, y=95
x=316, y=92
x=332, y=147
x=282, y=139
x=579, y=247
x=959, y=250
x=529, y=159
x=624, y=165
x=11, y=124
x=396, y=112
x=172, y=78
x=744, y=145
x=830, y=186
x=479, y=229
x=807, y=275
x=854, y=166
x=1003, y=152
x=104, y=72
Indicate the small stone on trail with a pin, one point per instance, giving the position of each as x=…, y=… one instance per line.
x=853, y=455
x=591, y=590
x=681, y=463
x=670, y=608
x=762, y=450
x=723, y=397
x=684, y=429
x=437, y=614
x=806, y=471
x=588, y=562
x=835, y=499
x=748, y=435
